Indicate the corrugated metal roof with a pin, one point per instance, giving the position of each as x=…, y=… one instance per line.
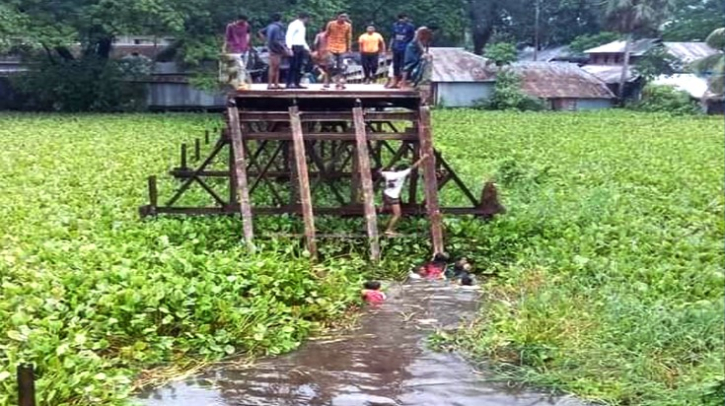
x=694, y=85
x=544, y=55
x=554, y=80
x=610, y=73
x=689, y=51
x=459, y=65
x=638, y=48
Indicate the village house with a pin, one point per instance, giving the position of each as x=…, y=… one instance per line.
x=606, y=61
x=460, y=78
x=564, y=86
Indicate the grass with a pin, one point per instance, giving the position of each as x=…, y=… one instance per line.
x=608, y=262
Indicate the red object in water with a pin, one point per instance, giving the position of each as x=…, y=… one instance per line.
x=434, y=271
x=374, y=296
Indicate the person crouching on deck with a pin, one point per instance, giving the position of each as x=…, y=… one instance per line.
x=394, y=181
x=322, y=58
x=237, y=44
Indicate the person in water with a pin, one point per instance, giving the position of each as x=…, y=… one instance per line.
x=371, y=293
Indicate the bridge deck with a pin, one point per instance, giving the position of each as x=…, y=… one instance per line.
x=315, y=97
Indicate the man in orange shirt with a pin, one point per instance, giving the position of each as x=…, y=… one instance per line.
x=339, y=40
x=371, y=44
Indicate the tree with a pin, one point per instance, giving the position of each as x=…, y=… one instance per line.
x=714, y=65
x=484, y=17
x=502, y=53
x=632, y=17
x=693, y=20
x=657, y=61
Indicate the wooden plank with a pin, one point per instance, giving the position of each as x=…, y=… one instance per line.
x=303, y=179
x=283, y=116
x=240, y=174
x=407, y=210
x=429, y=178
x=332, y=136
x=363, y=161
x=26, y=385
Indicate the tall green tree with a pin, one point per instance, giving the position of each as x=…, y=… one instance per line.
x=714, y=65
x=693, y=20
x=633, y=17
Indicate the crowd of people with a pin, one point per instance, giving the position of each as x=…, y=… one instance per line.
x=408, y=48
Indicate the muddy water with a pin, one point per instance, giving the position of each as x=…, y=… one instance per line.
x=385, y=362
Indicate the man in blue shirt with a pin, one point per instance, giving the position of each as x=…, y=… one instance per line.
x=274, y=36
x=403, y=32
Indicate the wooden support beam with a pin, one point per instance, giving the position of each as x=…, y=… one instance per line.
x=240, y=175
x=363, y=160
x=282, y=116
x=183, y=164
x=153, y=195
x=351, y=210
x=429, y=177
x=303, y=179
x=332, y=136
x=26, y=385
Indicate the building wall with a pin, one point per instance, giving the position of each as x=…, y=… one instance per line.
x=162, y=96
x=461, y=94
x=593, y=104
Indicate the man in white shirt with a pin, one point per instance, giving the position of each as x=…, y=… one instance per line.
x=394, y=182
x=296, y=39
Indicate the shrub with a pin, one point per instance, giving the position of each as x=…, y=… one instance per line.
x=507, y=95
x=665, y=99
x=502, y=53
x=84, y=84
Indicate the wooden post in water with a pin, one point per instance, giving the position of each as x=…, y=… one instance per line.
x=303, y=180
x=153, y=195
x=363, y=160
x=429, y=177
x=240, y=173
x=26, y=385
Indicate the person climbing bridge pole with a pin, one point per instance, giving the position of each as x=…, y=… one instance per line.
x=394, y=181
x=237, y=44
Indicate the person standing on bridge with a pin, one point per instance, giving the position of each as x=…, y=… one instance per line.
x=237, y=44
x=274, y=35
x=372, y=45
x=296, y=40
x=339, y=40
x=394, y=181
x=403, y=33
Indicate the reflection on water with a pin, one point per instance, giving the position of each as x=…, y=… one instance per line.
x=384, y=363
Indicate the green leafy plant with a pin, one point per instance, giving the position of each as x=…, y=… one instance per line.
x=501, y=53
x=86, y=84
x=507, y=94
x=666, y=99
x=609, y=258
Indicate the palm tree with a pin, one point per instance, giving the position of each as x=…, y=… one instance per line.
x=630, y=17
x=714, y=65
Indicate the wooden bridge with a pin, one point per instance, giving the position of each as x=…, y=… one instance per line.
x=313, y=152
